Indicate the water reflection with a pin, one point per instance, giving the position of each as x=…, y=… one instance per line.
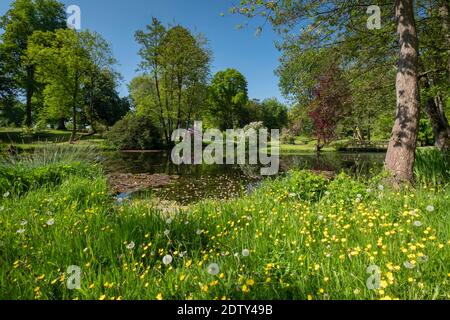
x=198, y=182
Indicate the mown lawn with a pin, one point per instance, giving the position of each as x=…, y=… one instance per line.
x=298, y=237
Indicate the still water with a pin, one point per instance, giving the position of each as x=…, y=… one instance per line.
x=197, y=182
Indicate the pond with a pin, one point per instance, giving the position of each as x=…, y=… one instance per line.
x=197, y=182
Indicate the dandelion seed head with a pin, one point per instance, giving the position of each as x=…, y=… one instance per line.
x=50, y=222
x=167, y=259
x=131, y=245
x=213, y=269
x=430, y=208
x=245, y=252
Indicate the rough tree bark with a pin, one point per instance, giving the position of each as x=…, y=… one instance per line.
x=400, y=157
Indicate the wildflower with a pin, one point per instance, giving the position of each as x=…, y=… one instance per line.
x=169, y=221
x=213, y=269
x=167, y=259
x=159, y=296
x=166, y=233
x=245, y=289
x=245, y=252
x=310, y=297
x=250, y=282
x=131, y=245
x=381, y=187
x=20, y=231
x=199, y=232
x=102, y=297
x=24, y=223
x=430, y=208
x=408, y=265
x=50, y=222
x=6, y=194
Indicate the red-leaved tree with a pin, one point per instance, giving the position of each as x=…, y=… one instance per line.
x=329, y=105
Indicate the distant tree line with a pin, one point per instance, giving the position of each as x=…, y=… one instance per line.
x=55, y=76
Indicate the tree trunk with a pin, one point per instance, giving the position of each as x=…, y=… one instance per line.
x=61, y=124
x=401, y=152
x=29, y=96
x=434, y=108
x=440, y=128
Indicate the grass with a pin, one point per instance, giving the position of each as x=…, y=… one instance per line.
x=300, y=236
x=432, y=167
x=28, y=142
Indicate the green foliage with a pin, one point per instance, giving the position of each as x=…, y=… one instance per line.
x=425, y=135
x=22, y=19
x=274, y=114
x=134, y=132
x=228, y=98
x=176, y=64
x=302, y=185
x=344, y=189
x=286, y=239
x=432, y=167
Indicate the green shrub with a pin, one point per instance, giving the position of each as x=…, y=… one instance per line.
x=346, y=189
x=302, y=185
x=134, y=132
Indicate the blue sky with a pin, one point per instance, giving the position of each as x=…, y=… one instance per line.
x=117, y=20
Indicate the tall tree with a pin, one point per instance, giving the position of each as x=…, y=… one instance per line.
x=228, y=98
x=341, y=24
x=178, y=64
x=329, y=106
x=402, y=147
x=63, y=63
x=22, y=19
